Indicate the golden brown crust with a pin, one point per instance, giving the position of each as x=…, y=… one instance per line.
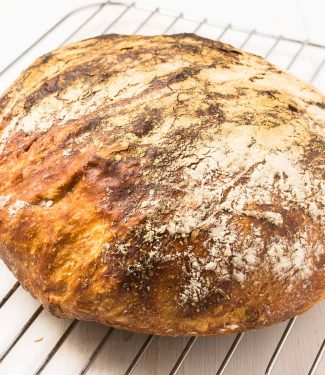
x=168, y=184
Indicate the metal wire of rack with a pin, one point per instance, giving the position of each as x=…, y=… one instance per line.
x=121, y=11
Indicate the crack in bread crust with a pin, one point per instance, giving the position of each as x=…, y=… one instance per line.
x=168, y=184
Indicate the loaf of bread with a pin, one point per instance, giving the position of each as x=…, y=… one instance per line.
x=170, y=185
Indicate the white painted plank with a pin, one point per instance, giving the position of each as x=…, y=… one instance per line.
x=206, y=355
x=7, y=280
x=161, y=355
x=14, y=314
x=117, y=353
x=33, y=347
x=303, y=343
x=76, y=350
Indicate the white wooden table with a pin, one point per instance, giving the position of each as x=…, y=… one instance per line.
x=64, y=347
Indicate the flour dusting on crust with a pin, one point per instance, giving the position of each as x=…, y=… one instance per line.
x=165, y=177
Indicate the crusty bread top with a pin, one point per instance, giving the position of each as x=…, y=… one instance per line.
x=168, y=176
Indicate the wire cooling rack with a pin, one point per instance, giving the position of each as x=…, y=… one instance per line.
x=34, y=342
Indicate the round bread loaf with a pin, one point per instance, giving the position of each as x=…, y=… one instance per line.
x=171, y=185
